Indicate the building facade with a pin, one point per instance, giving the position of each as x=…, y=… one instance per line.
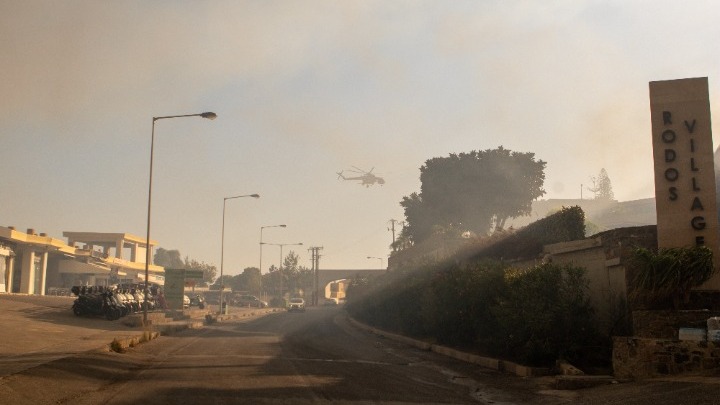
x=32, y=263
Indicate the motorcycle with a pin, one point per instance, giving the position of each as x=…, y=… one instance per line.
x=140, y=298
x=95, y=301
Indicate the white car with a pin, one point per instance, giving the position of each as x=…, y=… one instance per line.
x=296, y=304
x=186, y=301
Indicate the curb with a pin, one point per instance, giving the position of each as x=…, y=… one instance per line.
x=211, y=318
x=573, y=382
x=485, y=362
x=120, y=345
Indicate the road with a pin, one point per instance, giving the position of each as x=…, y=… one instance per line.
x=282, y=358
x=315, y=357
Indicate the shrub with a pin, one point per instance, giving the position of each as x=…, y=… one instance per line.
x=566, y=225
x=545, y=315
x=534, y=316
x=670, y=274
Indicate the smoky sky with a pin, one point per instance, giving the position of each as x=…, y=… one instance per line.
x=306, y=89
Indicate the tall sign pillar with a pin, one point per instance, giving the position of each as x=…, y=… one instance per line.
x=684, y=167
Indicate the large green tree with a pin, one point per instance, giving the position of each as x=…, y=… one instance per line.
x=251, y=280
x=475, y=191
x=170, y=259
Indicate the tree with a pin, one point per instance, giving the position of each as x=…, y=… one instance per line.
x=403, y=241
x=170, y=259
x=290, y=273
x=474, y=191
x=602, y=187
x=209, y=271
x=296, y=276
x=231, y=282
x=290, y=263
x=271, y=280
x=419, y=224
x=304, y=279
x=252, y=280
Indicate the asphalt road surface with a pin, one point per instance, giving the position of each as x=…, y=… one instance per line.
x=315, y=357
x=282, y=358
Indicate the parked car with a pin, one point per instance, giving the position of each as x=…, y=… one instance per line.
x=197, y=301
x=296, y=304
x=186, y=301
x=249, y=301
x=212, y=297
x=331, y=301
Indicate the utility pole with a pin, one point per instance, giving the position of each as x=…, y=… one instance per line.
x=315, y=260
x=392, y=228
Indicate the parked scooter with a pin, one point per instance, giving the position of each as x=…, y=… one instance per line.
x=140, y=298
x=121, y=303
x=95, y=301
x=131, y=302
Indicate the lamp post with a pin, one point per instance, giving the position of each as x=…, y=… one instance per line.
x=261, y=242
x=208, y=115
x=379, y=258
x=222, y=245
x=280, y=265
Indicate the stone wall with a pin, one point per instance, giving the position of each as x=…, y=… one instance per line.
x=655, y=349
x=636, y=358
x=666, y=324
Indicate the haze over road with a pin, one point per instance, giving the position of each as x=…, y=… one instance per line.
x=288, y=358
x=294, y=358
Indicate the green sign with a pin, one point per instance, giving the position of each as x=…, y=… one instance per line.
x=198, y=274
x=174, y=288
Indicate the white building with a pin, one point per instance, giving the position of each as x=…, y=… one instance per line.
x=35, y=264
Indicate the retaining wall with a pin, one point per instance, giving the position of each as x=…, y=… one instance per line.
x=636, y=358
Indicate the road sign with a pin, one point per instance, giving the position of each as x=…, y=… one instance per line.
x=194, y=274
x=174, y=288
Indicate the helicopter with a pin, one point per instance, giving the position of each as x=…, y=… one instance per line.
x=367, y=179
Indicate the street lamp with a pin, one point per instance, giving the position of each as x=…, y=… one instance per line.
x=208, y=115
x=222, y=245
x=280, y=265
x=261, y=242
x=379, y=258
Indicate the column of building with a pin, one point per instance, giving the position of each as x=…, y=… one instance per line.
x=30, y=281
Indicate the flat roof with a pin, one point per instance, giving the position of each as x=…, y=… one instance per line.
x=15, y=236
x=106, y=237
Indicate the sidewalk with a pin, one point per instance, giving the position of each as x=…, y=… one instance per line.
x=38, y=329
